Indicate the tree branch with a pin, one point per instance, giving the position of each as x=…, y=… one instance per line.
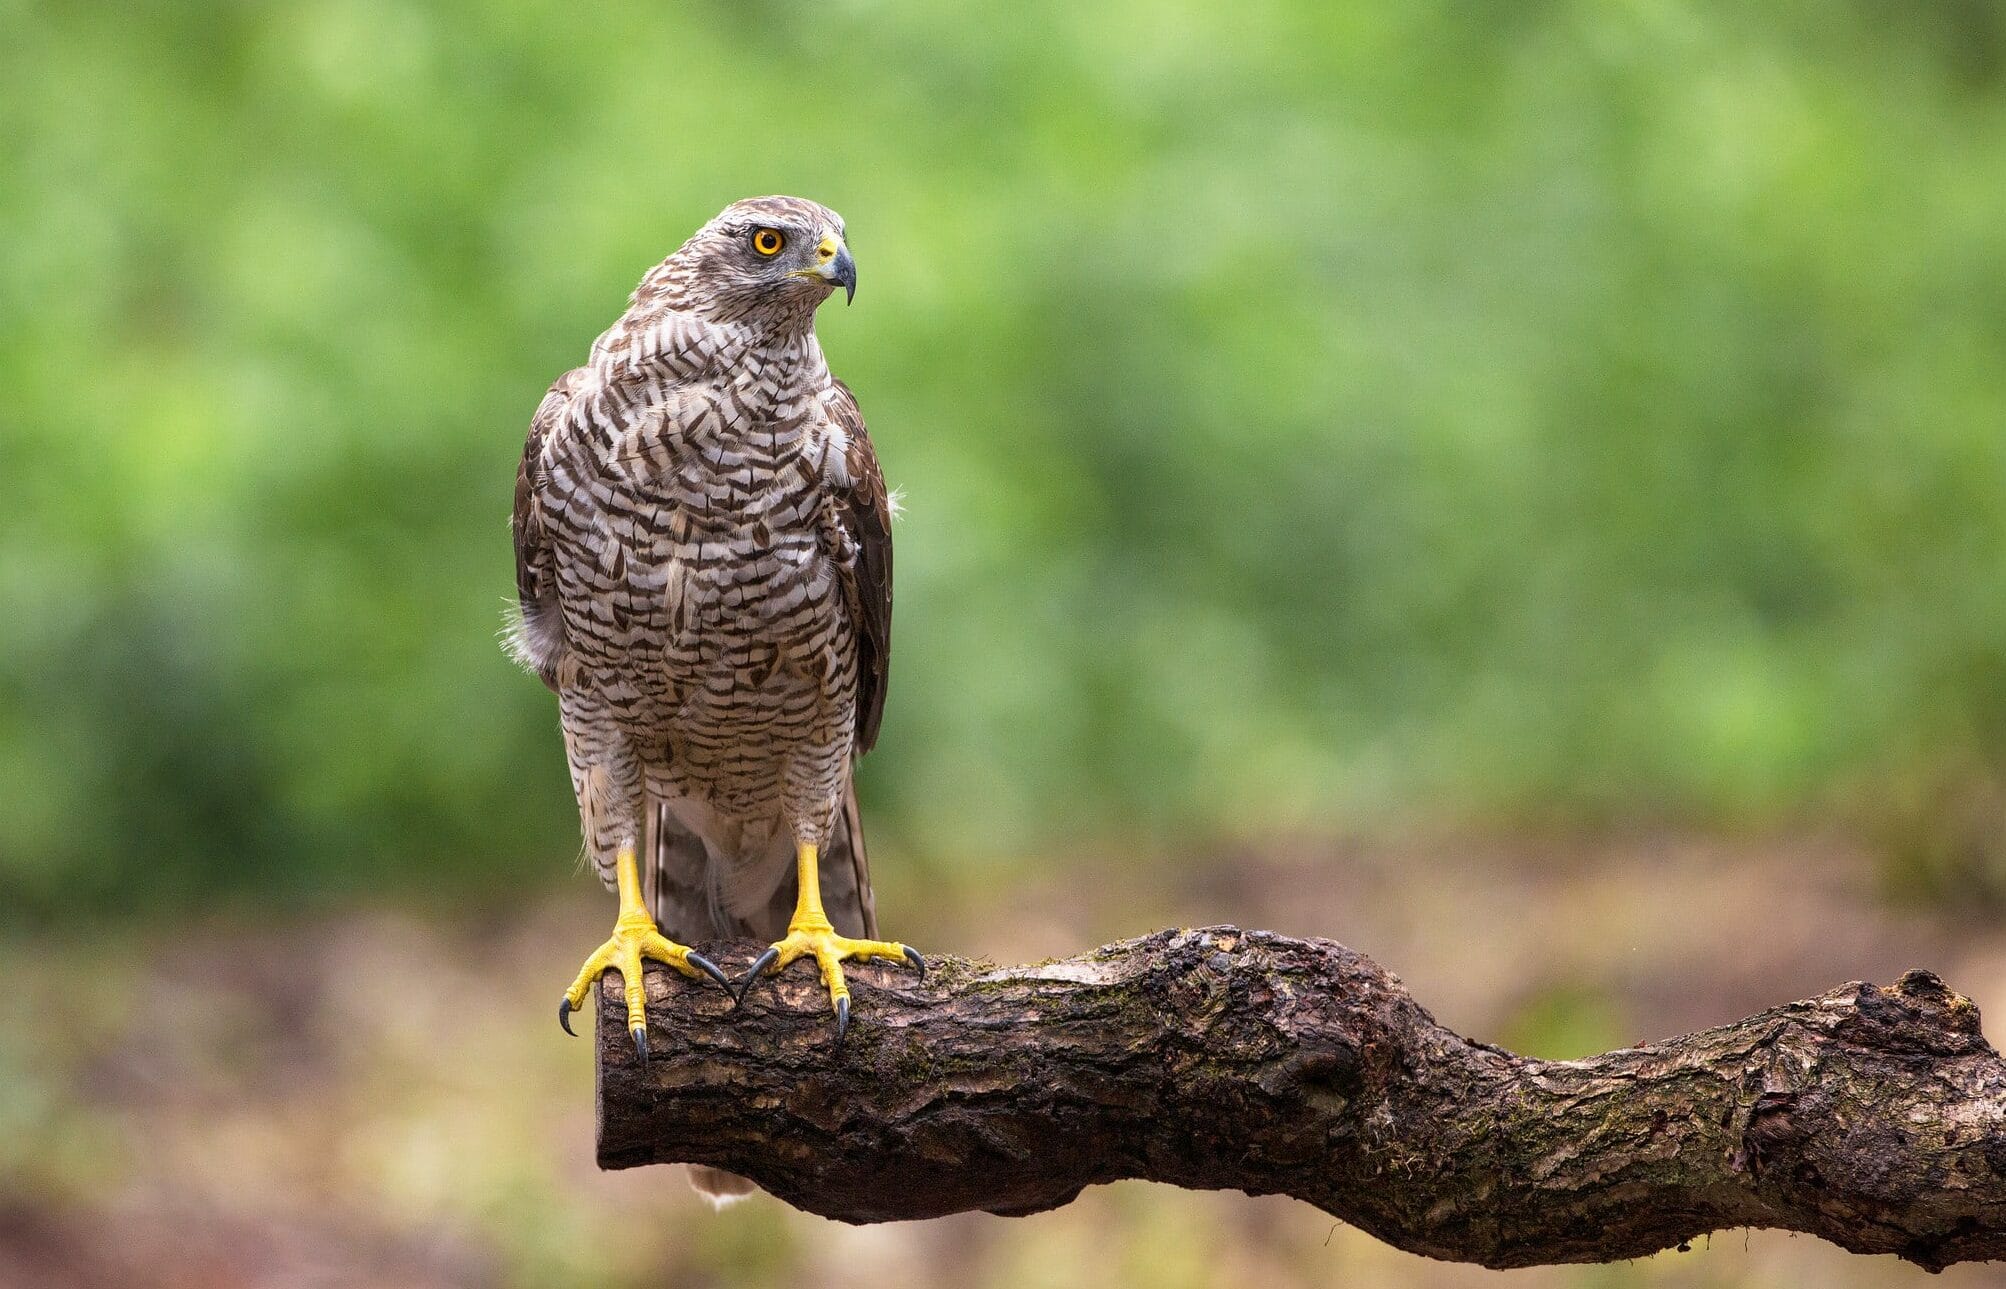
x=1224, y=1059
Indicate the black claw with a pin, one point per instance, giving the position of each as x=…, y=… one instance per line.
x=759, y=964
x=918, y=963
x=842, y=1019
x=709, y=968
x=564, y=1016
x=641, y=1044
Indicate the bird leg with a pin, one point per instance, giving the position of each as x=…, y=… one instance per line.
x=810, y=933
x=635, y=937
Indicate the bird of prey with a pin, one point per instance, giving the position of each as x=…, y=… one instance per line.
x=703, y=566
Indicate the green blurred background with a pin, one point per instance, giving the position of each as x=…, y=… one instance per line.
x=1434, y=455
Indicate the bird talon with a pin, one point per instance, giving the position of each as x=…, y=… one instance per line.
x=710, y=969
x=759, y=964
x=635, y=939
x=811, y=936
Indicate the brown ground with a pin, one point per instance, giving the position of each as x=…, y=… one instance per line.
x=273, y=1107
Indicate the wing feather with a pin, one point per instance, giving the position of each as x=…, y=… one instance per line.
x=864, y=510
x=536, y=636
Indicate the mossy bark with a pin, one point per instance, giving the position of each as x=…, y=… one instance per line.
x=1225, y=1059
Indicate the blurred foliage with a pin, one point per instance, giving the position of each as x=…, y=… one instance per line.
x=1307, y=414
x=1566, y=1022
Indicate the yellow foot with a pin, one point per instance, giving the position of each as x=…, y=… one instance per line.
x=635, y=938
x=816, y=938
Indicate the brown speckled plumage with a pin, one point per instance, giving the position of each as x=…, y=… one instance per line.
x=703, y=560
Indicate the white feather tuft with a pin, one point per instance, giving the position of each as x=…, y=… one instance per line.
x=533, y=642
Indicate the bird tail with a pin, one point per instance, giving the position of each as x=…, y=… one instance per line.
x=679, y=888
x=718, y=1186
x=846, y=852
x=846, y=884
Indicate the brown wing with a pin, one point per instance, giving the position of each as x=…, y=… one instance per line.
x=537, y=640
x=865, y=512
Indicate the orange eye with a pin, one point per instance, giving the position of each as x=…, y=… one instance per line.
x=768, y=241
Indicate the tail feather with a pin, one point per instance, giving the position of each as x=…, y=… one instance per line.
x=680, y=885
x=718, y=1186
x=679, y=888
x=849, y=834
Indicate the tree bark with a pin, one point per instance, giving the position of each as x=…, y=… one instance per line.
x=1874, y=1117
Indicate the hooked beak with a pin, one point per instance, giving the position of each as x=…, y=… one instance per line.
x=834, y=265
x=844, y=274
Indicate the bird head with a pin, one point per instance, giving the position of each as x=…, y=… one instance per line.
x=764, y=259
